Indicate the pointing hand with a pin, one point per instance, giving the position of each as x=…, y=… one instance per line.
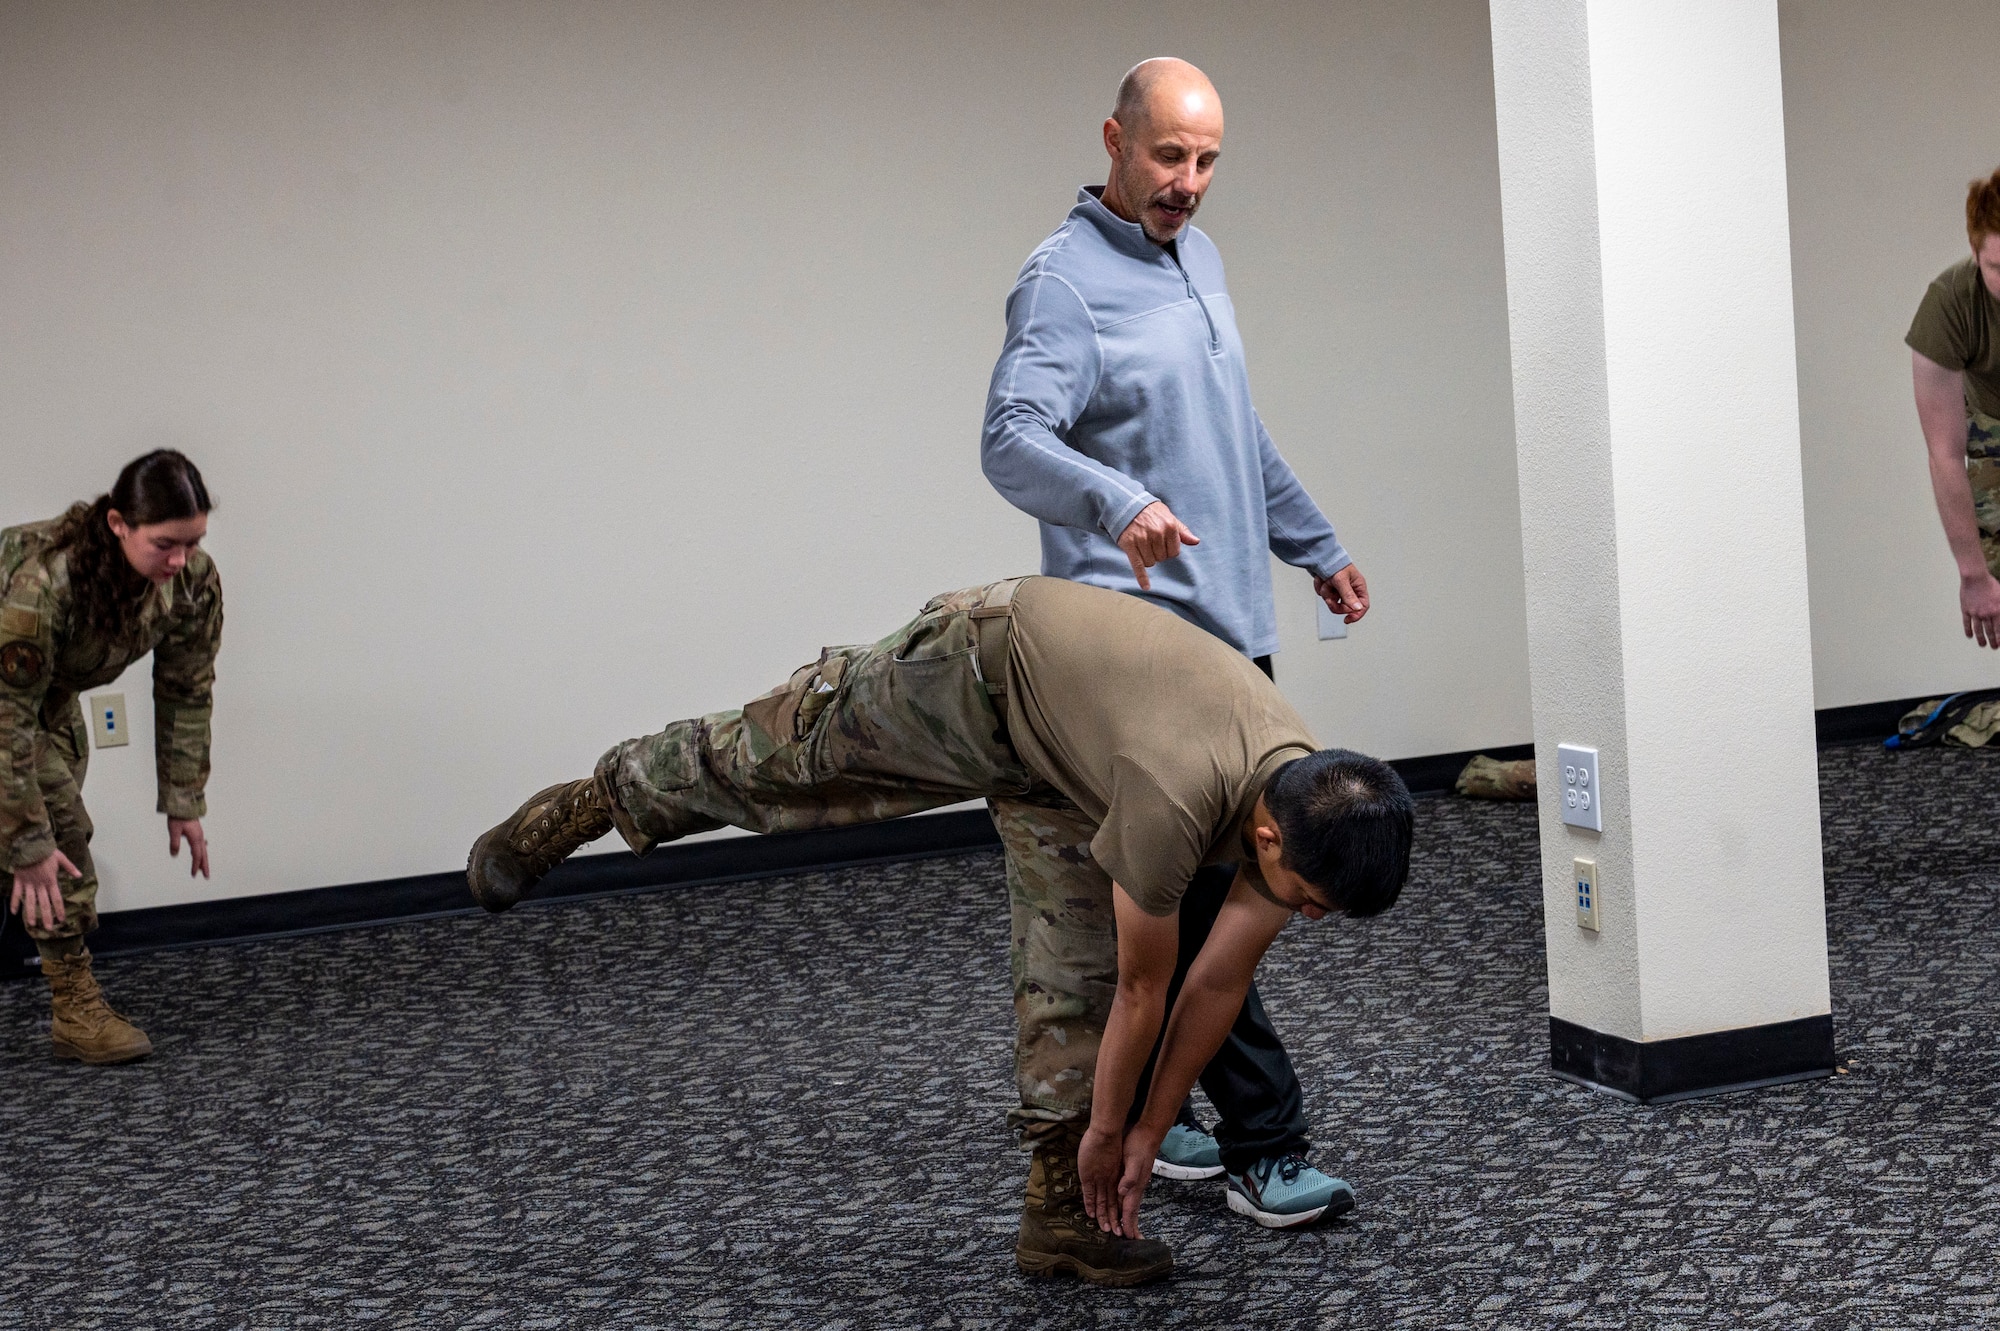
x=1154, y=535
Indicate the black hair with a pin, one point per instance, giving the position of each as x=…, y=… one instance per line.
x=160, y=486
x=1346, y=821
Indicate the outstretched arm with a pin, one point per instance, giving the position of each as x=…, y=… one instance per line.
x=1210, y=999
x=28, y=614
x=183, y=701
x=1941, y=411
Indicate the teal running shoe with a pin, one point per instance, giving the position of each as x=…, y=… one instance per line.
x=1188, y=1151
x=1285, y=1191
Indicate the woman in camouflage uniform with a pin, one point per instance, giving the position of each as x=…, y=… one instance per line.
x=82, y=596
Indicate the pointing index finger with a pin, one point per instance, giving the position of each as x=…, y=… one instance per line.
x=1139, y=572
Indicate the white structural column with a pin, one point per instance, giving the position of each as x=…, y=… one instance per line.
x=1642, y=166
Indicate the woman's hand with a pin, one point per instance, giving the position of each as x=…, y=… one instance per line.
x=36, y=894
x=197, y=844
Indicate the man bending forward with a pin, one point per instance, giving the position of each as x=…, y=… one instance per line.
x=1120, y=749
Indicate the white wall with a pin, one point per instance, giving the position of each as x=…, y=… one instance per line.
x=562, y=370
x=1889, y=111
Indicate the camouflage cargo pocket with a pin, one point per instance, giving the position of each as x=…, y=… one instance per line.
x=69, y=737
x=671, y=761
x=788, y=713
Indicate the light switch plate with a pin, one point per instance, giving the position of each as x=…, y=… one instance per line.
x=1330, y=624
x=107, y=720
x=1582, y=801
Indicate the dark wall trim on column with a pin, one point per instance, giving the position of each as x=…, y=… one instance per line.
x=1657, y=1071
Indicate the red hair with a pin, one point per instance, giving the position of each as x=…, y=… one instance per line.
x=1982, y=209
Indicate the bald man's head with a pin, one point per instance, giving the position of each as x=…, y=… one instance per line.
x=1163, y=136
x=1162, y=77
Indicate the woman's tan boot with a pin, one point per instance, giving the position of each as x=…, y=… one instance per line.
x=83, y=1026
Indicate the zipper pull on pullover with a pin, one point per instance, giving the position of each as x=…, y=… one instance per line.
x=1172, y=250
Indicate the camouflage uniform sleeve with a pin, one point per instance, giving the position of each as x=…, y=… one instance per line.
x=183, y=695
x=27, y=659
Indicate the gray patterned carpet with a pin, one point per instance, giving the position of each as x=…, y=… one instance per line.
x=779, y=1104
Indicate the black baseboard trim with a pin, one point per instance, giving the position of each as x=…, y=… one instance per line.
x=426, y=896
x=1657, y=1071
x=430, y=896
x=1437, y=773
x=1864, y=723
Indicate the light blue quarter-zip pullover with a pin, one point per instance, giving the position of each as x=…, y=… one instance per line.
x=1122, y=382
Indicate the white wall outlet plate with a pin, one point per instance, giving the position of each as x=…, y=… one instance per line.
x=1582, y=801
x=107, y=720
x=1586, y=894
x=1330, y=624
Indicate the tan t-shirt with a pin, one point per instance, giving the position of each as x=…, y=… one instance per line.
x=1160, y=731
x=1958, y=326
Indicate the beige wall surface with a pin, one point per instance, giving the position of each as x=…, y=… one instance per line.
x=1889, y=111
x=562, y=370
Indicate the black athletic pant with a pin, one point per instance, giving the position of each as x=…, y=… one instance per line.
x=1250, y=1080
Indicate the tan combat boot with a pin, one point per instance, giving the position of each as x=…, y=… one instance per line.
x=84, y=1026
x=510, y=859
x=1058, y=1235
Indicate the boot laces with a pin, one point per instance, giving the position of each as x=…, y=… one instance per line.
x=86, y=998
x=566, y=817
x=1291, y=1167
x=1065, y=1188
x=1063, y=1178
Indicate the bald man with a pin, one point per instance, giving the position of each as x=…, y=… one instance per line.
x=1119, y=416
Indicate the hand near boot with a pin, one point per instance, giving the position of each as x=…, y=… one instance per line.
x=1100, y=1159
x=197, y=844
x=36, y=894
x=1142, y=1146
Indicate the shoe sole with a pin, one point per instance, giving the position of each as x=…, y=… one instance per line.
x=70, y=1051
x=1342, y=1203
x=495, y=897
x=1162, y=1169
x=1045, y=1265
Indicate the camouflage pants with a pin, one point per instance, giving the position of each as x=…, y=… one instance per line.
x=873, y=732
x=1064, y=955
x=62, y=757
x=1982, y=468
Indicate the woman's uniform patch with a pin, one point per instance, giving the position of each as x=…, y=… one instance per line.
x=21, y=665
